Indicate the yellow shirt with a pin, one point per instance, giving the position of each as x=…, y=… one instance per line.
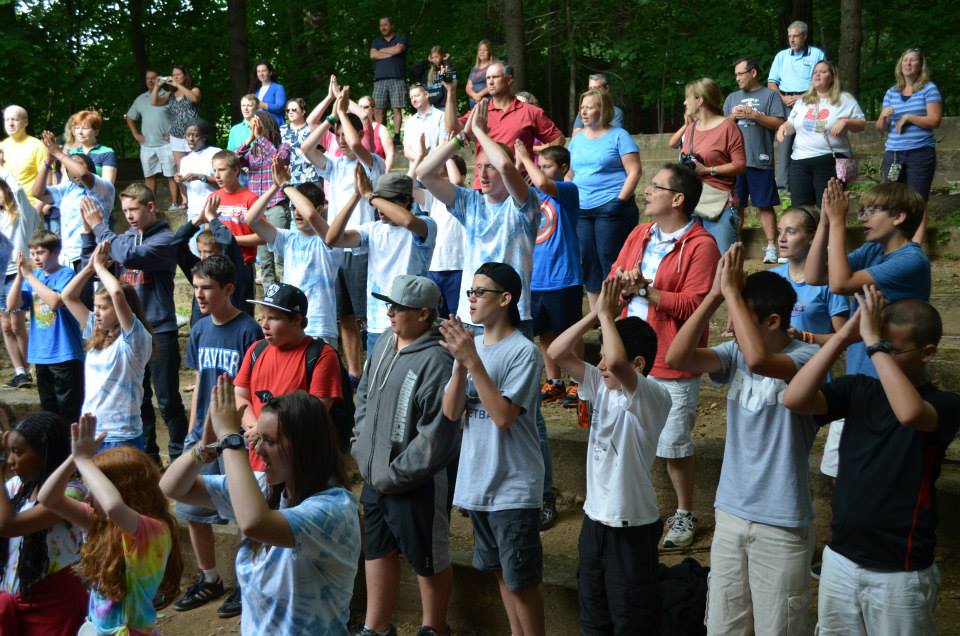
x=23, y=160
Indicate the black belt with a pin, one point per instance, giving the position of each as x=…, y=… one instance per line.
x=792, y=93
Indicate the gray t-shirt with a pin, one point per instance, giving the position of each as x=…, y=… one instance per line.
x=502, y=469
x=765, y=476
x=155, y=126
x=757, y=140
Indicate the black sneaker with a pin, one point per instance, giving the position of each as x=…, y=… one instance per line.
x=548, y=514
x=366, y=631
x=199, y=593
x=232, y=606
x=425, y=630
x=815, y=572
x=20, y=380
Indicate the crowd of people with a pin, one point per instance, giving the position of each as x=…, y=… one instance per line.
x=463, y=298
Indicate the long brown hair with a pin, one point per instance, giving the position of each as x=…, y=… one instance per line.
x=8, y=201
x=102, y=338
x=101, y=557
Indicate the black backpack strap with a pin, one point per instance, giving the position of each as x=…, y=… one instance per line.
x=258, y=349
x=314, y=349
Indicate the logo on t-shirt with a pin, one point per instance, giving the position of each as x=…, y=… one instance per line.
x=548, y=221
x=816, y=119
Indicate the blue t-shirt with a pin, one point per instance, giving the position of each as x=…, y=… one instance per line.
x=556, y=254
x=214, y=349
x=395, y=66
x=902, y=274
x=54, y=335
x=912, y=137
x=815, y=305
x=597, y=165
x=304, y=589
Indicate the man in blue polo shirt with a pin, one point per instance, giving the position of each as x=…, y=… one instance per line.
x=790, y=75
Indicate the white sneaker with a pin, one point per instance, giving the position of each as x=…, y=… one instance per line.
x=770, y=254
x=682, y=526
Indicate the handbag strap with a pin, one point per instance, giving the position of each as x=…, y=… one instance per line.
x=693, y=131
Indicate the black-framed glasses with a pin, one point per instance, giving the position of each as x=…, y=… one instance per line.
x=657, y=186
x=266, y=397
x=479, y=292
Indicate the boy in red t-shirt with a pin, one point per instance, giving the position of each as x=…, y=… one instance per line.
x=281, y=367
x=232, y=201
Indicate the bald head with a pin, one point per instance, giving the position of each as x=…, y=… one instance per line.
x=15, y=120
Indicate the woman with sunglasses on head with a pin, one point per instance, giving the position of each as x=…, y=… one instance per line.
x=820, y=119
x=297, y=563
x=912, y=110
x=293, y=134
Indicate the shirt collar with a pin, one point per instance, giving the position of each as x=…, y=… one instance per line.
x=662, y=237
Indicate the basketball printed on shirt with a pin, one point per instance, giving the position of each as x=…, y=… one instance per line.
x=548, y=221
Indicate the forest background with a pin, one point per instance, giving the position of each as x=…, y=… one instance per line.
x=60, y=56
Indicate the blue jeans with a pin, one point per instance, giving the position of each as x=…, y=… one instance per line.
x=136, y=442
x=526, y=328
x=602, y=231
x=449, y=283
x=725, y=229
x=164, y=370
x=372, y=341
x=916, y=168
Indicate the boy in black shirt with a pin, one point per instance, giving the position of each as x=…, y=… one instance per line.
x=878, y=573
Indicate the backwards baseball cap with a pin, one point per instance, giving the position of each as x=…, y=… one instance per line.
x=394, y=185
x=417, y=292
x=508, y=280
x=285, y=298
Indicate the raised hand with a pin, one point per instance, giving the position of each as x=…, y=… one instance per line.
x=92, y=216
x=343, y=101
x=835, y=203
x=25, y=267
x=871, y=303
x=457, y=340
x=224, y=414
x=84, y=442
x=480, y=119
x=281, y=171
x=362, y=181
x=732, y=276
x=211, y=208
x=256, y=128
x=608, y=302
x=50, y=141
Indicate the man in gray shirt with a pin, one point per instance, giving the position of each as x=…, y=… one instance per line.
x=758, y=112
x=153, y=137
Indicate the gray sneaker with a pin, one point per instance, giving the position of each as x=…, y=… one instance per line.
x=682, y=527
x=20, y=380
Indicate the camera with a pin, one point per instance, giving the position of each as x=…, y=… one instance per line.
x=687, y=159
x=446, y=75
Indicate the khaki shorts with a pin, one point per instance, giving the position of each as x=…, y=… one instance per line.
x=157, y=159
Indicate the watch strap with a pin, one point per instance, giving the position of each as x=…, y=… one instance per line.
x=878, y=347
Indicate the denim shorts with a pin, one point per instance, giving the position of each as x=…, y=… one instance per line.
x=509, y=541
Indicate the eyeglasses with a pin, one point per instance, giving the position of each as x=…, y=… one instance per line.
x=293, y=110
x=896, y=352
x=395, y=307
x=866, y=213
x=479, y=292
x=660, y=187
x=740, y=73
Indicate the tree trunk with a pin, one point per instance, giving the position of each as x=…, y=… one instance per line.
x=237, y=35
x=514, y=35
x=571, y=64
x=792, y=10
x=851, y=35
x=137, y=40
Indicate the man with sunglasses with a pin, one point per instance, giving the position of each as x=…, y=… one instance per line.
x=667, y=267
x=404, y=449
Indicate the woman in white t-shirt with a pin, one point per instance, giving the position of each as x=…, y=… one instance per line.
x=298, y=560
x=119, y=344
x=820, y=120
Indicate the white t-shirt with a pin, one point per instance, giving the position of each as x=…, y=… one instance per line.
x=305, y=589
x=338, y=172
x=63, y=539
x=394, y=251
x=198, y=191
x=811, y=120
x=622, y=448
x=311, y=266
x=448, y=252
x=502, y=232
x=113, y=381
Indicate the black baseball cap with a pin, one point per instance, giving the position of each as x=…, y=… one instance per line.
x=285, y=298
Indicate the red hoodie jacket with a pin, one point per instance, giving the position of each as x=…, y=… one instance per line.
x=683, y=279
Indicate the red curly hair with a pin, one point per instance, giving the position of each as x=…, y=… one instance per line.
x=101, y=557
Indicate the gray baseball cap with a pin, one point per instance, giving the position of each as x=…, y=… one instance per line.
x=417, y=292
x=394, y=185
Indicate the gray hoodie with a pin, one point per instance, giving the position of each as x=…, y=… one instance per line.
x=400, y=436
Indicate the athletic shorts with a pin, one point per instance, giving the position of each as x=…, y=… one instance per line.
x=157, y=159
x=7, y=284
x=676, y=438
x=415, y=523
x=509, y=541
x=759, y=186
x=557, y=310
x=390, y=92
x=354, y=270
x=179, y=144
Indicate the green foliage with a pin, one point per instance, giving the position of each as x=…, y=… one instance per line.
x=59, y=56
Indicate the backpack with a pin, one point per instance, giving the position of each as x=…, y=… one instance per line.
x=683, y=598
x=342, y=413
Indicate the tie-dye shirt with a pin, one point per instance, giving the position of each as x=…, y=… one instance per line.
x=63, y=539
x=306, y=589
x=145, y=556
x=503, y=232
x=113, y=381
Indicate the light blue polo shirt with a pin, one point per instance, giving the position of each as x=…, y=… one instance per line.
x=792, y=72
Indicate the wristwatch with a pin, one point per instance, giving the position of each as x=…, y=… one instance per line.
x=233, y=441
x=642, y=292
x=713, y=171
x=879, y=346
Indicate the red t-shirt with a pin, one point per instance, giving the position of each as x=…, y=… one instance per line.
x=283, y=371
x=525, y=122
x=233, y=208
